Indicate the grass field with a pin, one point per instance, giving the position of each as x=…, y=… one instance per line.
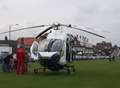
x=89, y=74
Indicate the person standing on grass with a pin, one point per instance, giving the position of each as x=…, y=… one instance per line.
x=15, y=61
x=11, y=63
x=113, y=58
x=26, y=61
x=6, y=64
x=20, y=54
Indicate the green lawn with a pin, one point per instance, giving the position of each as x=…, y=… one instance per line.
x=89, y=74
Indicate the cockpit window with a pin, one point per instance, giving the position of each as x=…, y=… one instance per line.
x=52, y=45
x=57, y=46
x=43, y=45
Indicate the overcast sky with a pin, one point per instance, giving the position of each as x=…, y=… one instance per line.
x=99, y=16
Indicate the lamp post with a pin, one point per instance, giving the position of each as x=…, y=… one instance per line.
x=10, y=26
x=10, y=30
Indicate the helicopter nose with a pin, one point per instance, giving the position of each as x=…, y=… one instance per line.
x=55, y=57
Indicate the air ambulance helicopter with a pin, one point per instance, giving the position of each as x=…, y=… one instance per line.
x=52, y=48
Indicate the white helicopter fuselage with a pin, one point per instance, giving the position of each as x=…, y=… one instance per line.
x=40, y=46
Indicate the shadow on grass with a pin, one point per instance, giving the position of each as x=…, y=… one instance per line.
x=50, y=73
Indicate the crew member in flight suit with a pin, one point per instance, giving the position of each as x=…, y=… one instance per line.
x=20, y=54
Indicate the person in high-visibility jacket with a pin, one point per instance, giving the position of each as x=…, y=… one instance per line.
x=20, y=54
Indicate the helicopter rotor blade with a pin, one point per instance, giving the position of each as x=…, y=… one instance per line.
x=69, y=26
x=23, y=29
x=54, y=25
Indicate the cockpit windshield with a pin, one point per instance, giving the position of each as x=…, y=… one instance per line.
x=51, y=45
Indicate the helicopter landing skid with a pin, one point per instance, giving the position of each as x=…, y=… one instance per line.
x=68, y=68
x=36, y=71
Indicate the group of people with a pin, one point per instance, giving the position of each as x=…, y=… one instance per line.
x=16, y=63
x=112, y=58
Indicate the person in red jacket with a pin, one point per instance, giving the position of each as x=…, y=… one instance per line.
x=20, y=54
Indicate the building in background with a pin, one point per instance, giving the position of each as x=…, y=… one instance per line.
x=104, y=48
x=8, y=46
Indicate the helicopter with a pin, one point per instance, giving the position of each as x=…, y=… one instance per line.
x=54, y=50
x=52, y=47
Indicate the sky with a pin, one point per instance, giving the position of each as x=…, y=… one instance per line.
x=99, y=16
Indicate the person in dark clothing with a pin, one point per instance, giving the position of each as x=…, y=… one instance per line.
x=67, y=52
x=113, y=58
x=6, y=63
x=110, y=58
x=73, y=53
